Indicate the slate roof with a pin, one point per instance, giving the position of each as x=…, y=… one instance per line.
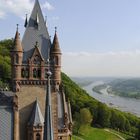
x=60, y=111
x=63, y=107
x=6, y=98
x=36, y=116
x=55, y=47
x=6, y=115
x=36, y=31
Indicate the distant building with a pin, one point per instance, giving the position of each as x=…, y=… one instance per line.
x=36, y=108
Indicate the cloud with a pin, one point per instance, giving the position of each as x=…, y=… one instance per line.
x=16, y=7
x=19, y=7
x=102, y=64
x=48, y=6
x=2, y=15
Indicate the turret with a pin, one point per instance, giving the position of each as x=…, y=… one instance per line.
x=36, y=124
x=16, y=59
x=55, y=56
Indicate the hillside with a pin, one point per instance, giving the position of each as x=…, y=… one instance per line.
x=102, y=116
x=125, y=88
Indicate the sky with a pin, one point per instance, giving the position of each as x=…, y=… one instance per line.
x=97, y=37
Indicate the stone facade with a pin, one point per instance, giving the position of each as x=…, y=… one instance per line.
x=29, y=80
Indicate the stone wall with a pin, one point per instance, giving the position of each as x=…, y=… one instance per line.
x=26, y=98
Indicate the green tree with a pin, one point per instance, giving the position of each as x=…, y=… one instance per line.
x=85, y=116
x=5, y=61
x=77, y=123
x=104, y=114
x=113, y=119
x=121, y=121
x=138, y=134
x=127, y=126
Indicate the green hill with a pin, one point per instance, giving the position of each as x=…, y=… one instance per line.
x=125, y=87
x=103, y=116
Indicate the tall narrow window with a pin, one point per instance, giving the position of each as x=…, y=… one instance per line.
x=17, y=59
x=38, y=73
x=22, y=73
x=38, y=137
x=34, y=73
x=27, y=73
x=56, y=60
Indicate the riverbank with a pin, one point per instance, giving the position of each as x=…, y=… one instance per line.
x=121, y=103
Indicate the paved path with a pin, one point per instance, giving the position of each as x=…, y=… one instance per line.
x=77, y=138
x=115, y=134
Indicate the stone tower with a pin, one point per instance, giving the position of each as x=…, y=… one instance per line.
x=16, y=61
x=55, y=56
x=30, y=68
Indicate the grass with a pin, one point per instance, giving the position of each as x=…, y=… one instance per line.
x=89, y=133
x=123, y=135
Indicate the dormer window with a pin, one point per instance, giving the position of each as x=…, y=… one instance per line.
x=36, y=60
x=37, y=21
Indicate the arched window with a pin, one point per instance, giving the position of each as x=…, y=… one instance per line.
x=56, y=60
x=22, y=73
x=34, y=73
x=16, y=59
x=27, y=73
x=38, y=137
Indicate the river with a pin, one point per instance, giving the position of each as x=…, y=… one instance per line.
x=125, y=104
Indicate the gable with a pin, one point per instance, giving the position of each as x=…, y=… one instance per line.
x=36, y=57
x=33, y=34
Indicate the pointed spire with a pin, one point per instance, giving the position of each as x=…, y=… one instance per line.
x=36, y=32
x=48, y=128
x=36, y=1
x=55, y=46
x=17, y=42
x=36, y=116
x=26, y=21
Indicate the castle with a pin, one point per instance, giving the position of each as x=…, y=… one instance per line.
x=36, y=108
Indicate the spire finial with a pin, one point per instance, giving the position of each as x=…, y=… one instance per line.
x=17, y=26
x=36, y=44
x=55, y=29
